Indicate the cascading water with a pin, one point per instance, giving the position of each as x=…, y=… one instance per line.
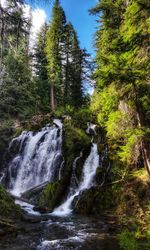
x=89, y=171
x=38, y=160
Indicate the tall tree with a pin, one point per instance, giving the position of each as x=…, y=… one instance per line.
x=123, y=71
x=73, y=67
x=76, y=68
x=54, y=55
x=14, y=27
x=40, y=67
x=16, y=86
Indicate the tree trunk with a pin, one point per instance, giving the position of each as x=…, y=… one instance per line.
x=146, y=156
x=52, y=97
x=66, y=79
x=145, y=147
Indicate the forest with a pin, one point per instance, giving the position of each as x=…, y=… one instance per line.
x=67, y=156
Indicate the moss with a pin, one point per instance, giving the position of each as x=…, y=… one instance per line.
x=6, y=134
x=96, y=200
x=83, y=203
x=52, y=194
x=75, y=140
x=7, y=205
x=128, y=241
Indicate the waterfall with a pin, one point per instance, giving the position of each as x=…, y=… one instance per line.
x=38, y=159
x=89, y=171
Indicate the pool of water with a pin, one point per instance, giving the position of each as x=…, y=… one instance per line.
x=71, y=232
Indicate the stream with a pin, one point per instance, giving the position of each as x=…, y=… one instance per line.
x=37, y=158
x=71, y=232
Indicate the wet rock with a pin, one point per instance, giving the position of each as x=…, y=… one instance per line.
x=2, y=232
x=41, y=209
x=83, y=203
x=52, y=194
x=8, y=209
x=101, y=242
x=33, y=194
x=6, y=134
x=31, y=218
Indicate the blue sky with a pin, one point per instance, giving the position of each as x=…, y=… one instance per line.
x=76, y=12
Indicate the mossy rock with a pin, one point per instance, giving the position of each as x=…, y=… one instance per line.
x=52, y=194
x=74, y=141
x=7, y=206
x=83, y=204
x=6, y=134
x=96, y=200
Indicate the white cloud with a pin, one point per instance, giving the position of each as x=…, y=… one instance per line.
x=38, y=19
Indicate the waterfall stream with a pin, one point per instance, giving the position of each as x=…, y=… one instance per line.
x=34, y=159
x=38, y=160
x=89, y=171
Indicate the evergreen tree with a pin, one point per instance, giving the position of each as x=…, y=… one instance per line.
x=122, y=71
x=54, y=54
x=14, y=27
x=17, y=93
x=76, y=69
x=73, y=68
x=40, y=66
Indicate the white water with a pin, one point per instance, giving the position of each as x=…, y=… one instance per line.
x=89, y=171
x=91, y=127
x=27, y=207
x=38, y=158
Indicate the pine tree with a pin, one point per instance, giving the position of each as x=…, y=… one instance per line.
x=54, y=54
x=122, y=70
x=76, y=69
x=73, y=58
x=17, y=95
x=40, y=66
x=14, y=27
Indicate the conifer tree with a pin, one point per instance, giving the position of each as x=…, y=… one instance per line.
x=40, y=66
x=72, y=67
x=54, y=54
x=76, y=69
x=122, y=71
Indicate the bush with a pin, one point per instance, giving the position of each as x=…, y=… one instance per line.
x=128, y=241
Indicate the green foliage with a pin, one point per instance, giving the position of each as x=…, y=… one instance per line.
x=130, y=151
x=75, y=138
x=62, y=111
x=66, y=61
x=128, y=241
x=17, y=93
x=81, y=117
x=41, y=79
x=7, y=205
x=48, y=196
x=122, y=75
x=103, y=103
x=116, y=125
x=134, y=240
x=54, y=39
